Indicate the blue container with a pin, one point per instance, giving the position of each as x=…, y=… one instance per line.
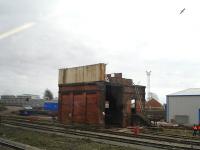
x=51, y=106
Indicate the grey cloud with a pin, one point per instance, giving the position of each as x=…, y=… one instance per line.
x=30, y=60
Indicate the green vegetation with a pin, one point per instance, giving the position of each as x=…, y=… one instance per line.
x=2, y=107
x=5, y=148
x=52, y=141
x=165, y=131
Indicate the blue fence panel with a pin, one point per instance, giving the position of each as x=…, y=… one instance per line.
x=51, y=106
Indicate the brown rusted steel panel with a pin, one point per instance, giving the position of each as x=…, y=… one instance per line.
x=89, y=73
x=92, y=112
x=66, y=108
x=79, y=108
x=81, y=103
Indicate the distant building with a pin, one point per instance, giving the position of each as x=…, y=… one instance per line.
x=30, y=96
x=183, y=107
x=154, y=110
x=153, y=104
x=22, y=100
x=7, y=97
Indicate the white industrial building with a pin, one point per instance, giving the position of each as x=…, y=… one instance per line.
x=22, y=100
x=183, y=107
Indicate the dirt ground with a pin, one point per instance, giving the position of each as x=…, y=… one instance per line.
x=9, y=110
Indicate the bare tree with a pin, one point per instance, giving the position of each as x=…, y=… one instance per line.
x=48, y=94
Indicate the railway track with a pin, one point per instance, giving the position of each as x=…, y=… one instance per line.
x=149, y=132
x=147, y=135
x=168, y=134
x=172, y=134
x=142, y=140
x=7, y=145
x=10, y=145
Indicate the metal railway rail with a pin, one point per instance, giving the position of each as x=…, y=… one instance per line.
x=148, y=142
x=147, y=135
x=7, y=144
x=171, y=135
x=15, y=145
x=143, y=136
x=96, y=128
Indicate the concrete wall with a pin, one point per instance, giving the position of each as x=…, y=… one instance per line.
x=183, y=106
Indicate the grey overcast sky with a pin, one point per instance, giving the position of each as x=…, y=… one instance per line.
x=37, y=37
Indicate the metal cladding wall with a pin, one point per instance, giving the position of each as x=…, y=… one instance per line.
x=185, y=106
x=82, y=103
x=82, y=74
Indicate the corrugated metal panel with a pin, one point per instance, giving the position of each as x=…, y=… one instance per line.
x=88, y=73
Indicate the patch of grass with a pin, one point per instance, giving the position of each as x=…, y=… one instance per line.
x=180, y=132
x=52, y=141
x=2, y=107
